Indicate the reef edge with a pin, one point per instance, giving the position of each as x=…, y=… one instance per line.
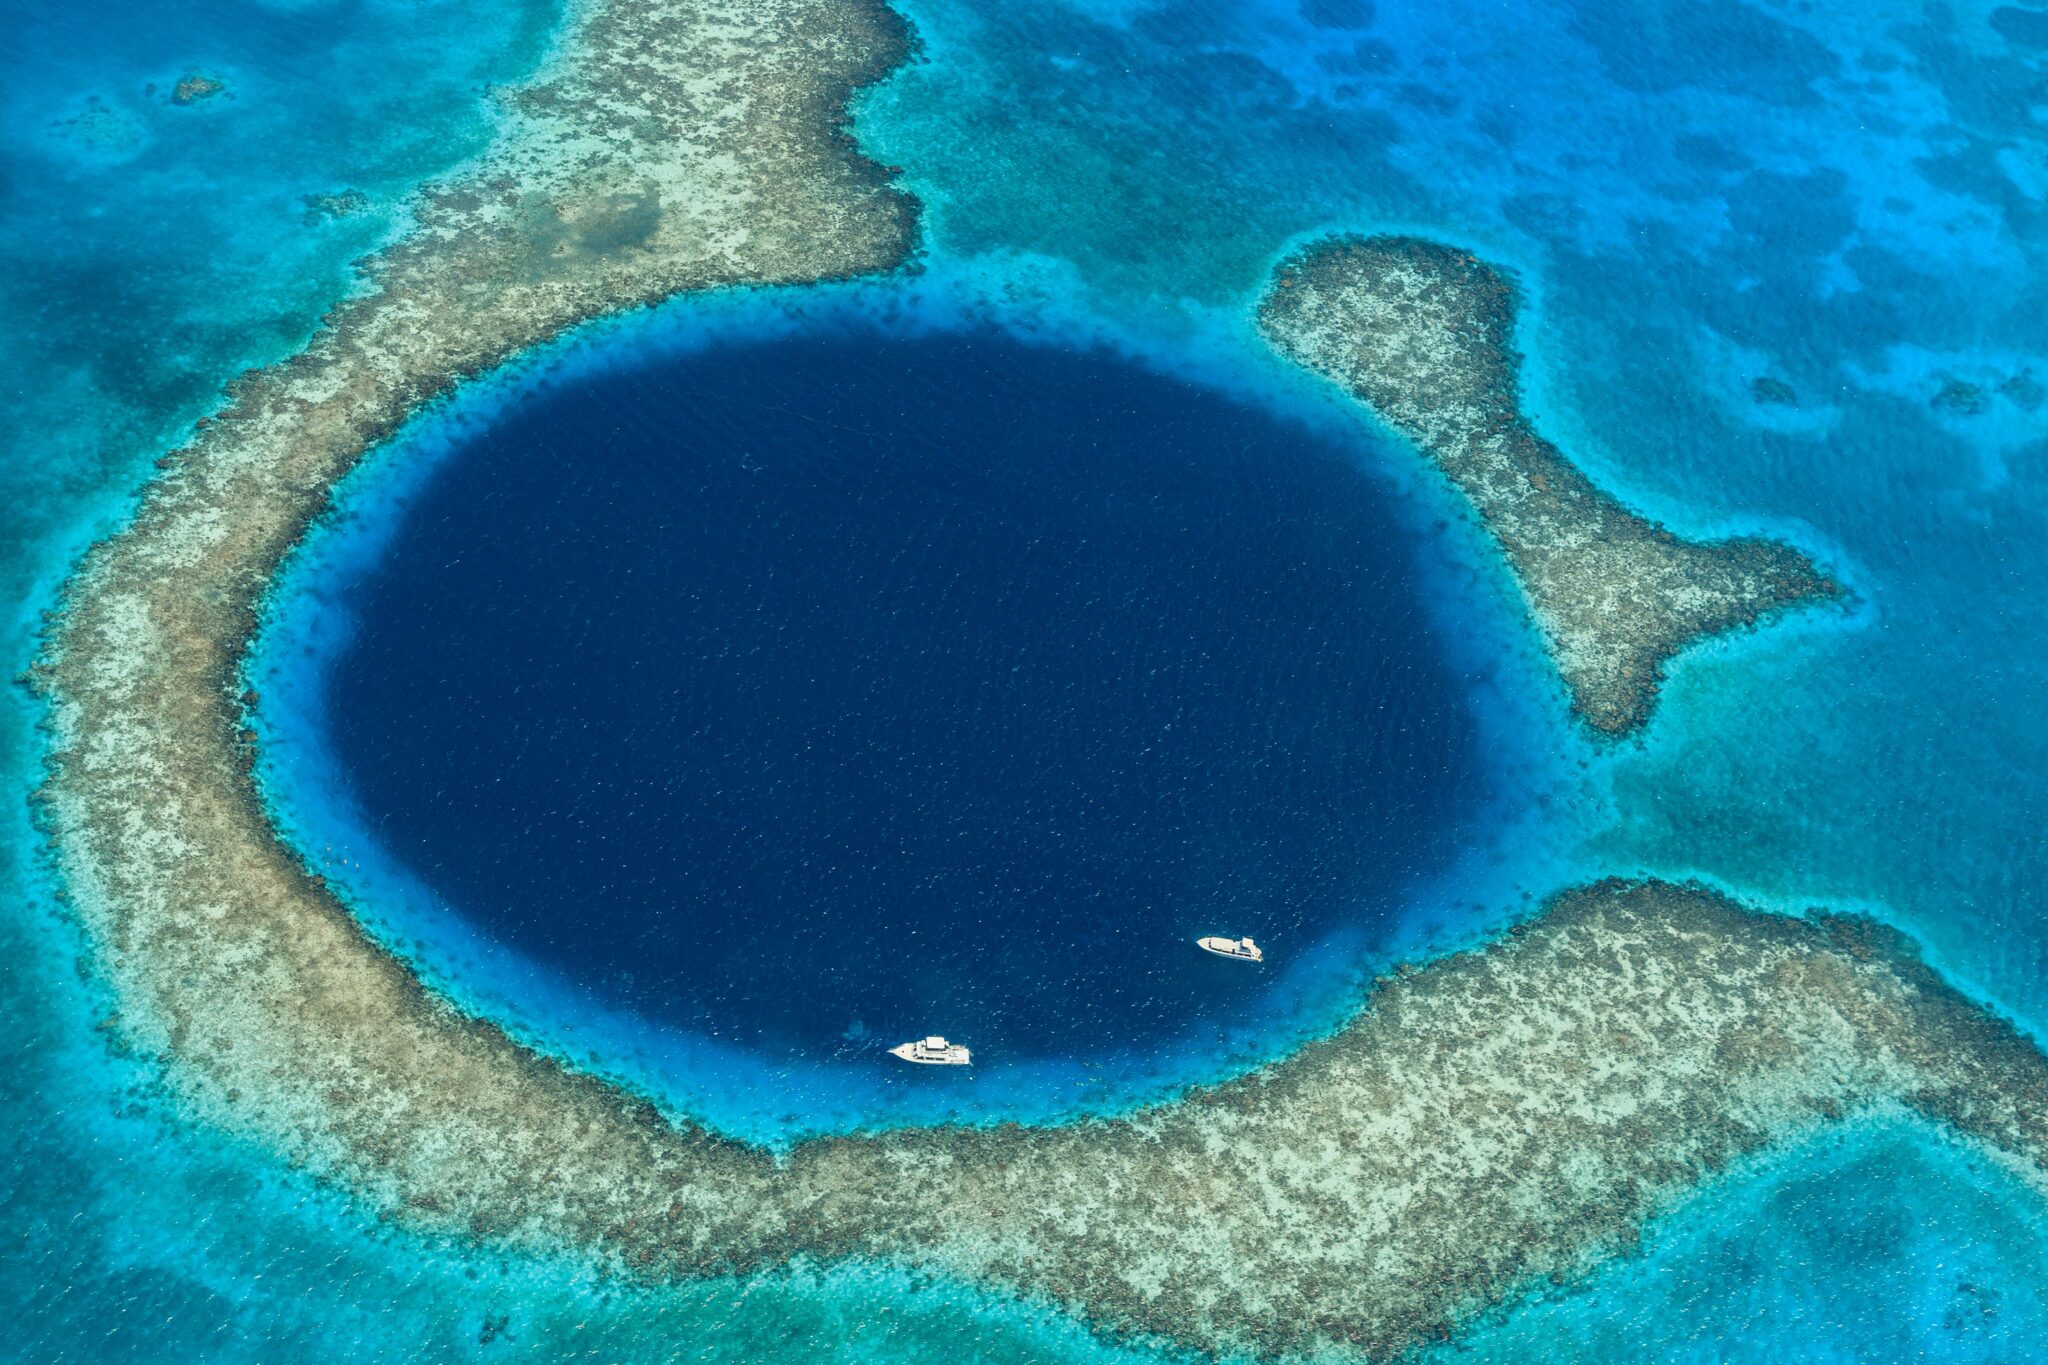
x=1422, y=334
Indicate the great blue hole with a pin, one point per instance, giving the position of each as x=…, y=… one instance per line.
x=829, y=691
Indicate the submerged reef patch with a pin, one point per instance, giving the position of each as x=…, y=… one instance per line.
x=321, y=208
x=193, y=88
x=1422, y=334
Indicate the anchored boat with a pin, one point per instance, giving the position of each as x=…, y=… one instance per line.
x=933, y=1051
x=1243, y=949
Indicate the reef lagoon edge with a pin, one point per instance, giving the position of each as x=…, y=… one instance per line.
x=1422, y=334
x=773, y=1095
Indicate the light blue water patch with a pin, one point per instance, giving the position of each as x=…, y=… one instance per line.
x=1884, y=1242
x=152, y=250
x=1184, y=137
x=1524, y=739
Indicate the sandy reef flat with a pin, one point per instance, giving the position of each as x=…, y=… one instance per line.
x=1423, y=334
x=1486, y=1120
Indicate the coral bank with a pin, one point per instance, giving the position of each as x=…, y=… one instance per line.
x=1422, y=333
x=194, y=88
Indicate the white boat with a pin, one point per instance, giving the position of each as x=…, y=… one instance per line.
x=1241, y=948
x=933, y=1051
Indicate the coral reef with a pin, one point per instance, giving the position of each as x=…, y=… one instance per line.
x=1960, y=398
x=666, y=145
x=1768, y=392
x=1504, y=1114
x=194, y=88
x=339, y=204
x=1422, y=334
x=1491, y=1120
x=2025, y=391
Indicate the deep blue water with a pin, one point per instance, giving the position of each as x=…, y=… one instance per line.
x=830, y=691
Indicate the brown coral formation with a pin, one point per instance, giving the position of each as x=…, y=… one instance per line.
x=194, y=88
x=1423, y=334
x=340, y=204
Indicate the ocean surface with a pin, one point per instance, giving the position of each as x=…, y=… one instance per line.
x=822, y=693
x=1785, y=269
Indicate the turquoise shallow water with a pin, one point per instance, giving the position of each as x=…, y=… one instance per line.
x=1846, y=202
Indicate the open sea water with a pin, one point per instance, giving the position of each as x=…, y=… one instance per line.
x=1785, y=273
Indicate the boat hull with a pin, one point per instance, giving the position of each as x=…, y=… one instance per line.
x=952, y=1056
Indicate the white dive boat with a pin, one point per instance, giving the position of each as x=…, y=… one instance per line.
x=1241, y=948
x=933, y=1051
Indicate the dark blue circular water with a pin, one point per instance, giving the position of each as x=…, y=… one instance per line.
x=851, y=687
